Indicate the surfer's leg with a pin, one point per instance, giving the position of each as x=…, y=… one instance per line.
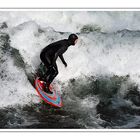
x=53, y=73
x=47, y=62
x=49, y=78
x=45, y=78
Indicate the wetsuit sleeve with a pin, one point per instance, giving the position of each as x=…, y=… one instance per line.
x=59, y=52
x=62, y=59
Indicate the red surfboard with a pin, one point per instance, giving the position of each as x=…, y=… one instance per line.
x=52, y=99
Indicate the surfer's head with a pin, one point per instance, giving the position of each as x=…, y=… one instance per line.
x=73, y=38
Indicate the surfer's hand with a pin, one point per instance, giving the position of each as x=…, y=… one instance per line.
x=65, y=64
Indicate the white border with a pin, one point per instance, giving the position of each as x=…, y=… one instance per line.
x=69, y=3
x=68, y=9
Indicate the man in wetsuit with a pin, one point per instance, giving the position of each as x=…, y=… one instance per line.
x=50, y=54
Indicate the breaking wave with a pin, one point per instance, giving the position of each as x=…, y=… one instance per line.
x=101, y=84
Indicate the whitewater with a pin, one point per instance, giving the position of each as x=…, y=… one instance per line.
x=100, y=87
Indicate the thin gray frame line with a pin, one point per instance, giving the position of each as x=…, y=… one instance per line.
x=70, y=8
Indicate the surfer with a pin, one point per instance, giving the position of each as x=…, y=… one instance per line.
x=50, y=54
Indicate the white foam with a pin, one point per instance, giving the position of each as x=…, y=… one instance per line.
x=73, y=21
x=15, y=88
x=94, y=53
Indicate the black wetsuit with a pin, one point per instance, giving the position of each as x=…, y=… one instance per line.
x=50, y=54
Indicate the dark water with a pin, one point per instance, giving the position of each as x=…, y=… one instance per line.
x=37, y=116
x=108, y=112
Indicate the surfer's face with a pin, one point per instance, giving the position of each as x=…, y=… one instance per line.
x=75, y=41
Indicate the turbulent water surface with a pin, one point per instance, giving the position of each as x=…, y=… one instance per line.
x=101, y=85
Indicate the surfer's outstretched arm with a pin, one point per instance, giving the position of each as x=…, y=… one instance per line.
x=63, y=60
x=59, y=53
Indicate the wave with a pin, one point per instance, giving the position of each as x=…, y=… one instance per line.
x=15, y=88
x=107, y=21
x=89, y=102
x=101, y=83
x=95, y=54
